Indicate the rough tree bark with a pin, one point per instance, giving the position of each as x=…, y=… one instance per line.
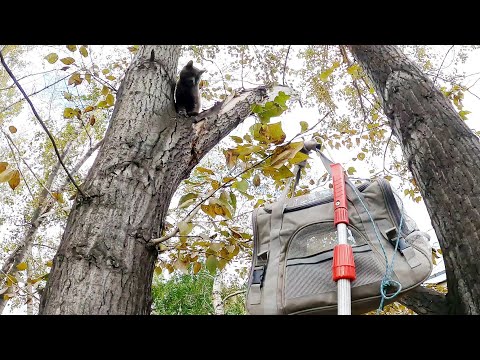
x=443, y=155
x=217, y=301
x=105, y=263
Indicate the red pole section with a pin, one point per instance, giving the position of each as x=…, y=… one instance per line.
x=339, y=195
x=343, y=263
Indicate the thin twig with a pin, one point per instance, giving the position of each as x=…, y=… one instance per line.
x=41, y=123
x=34, y=93
x=285, y=64
x=23, y=77
x=221, y=74
x=440, y=68
x=18, y=167
x=26, y=164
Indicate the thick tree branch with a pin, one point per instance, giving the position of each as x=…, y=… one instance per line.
x=425, y=301
x=41, y=123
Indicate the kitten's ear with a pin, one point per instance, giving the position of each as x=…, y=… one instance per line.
x=201, y=72
x=189, y=64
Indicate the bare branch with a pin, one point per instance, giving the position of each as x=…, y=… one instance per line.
x=425, y=301
x=41, y=123
x=233, y=294
x=440, y=68
x=285, y=64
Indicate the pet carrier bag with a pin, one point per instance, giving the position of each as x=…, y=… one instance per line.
x=294, y=238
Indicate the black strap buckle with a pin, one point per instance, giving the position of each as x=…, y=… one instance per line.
x=258, y=274
x=392, y=236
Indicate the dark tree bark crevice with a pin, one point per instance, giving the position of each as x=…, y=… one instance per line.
x=425, y=301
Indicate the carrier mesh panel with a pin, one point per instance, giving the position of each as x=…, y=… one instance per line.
x=310, y=279
x=317, y=238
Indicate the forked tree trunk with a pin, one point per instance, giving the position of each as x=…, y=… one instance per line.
x=104, y=264
x=443, y=155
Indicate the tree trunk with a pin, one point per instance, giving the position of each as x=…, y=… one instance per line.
x=217, y=296
x=105, y=263
x=443, y=155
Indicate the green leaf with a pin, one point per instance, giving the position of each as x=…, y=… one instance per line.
x=282, y=173
x=281, y=98
x=299, y=157
x=67, y=95
x=216, y=246
x=233, y=200
x=184, y=228
x=83, y=50
x=211, y=264
x=186, y=198
x=68, y=113
x=110, y=99
x=105, y=90
x=303, y=126
x=361, y=156
x=22, y=266
x=463, y=114
x=72, y=48
x=351, y=170
x=353, y=70
x=68, y=60
x=237, y=139
x=242, y=185
x=274, y=133
x=52, y=58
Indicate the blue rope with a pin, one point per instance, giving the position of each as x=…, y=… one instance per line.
x=387, y=278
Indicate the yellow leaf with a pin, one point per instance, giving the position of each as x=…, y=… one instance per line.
x=88, y=77
x=7, y=296
x=3, y=166
x=110, y=99
x=105, y=71
x=58, y=196
x=92, y=120
x=361, y=156
x=105, y=90
x=256, y=180
x=158, y=270
x=75, y=79
x=284, y=153
x=51, y=58
x=22, y=266
x=215, y=184
x=72, y=48
x=196, y=267
x=12, y=129
x=14, y=180
x=88, y=109
x=49, y=263
x=83, y=51
x=6, y=174
x=68, y=60
x=111, y=77
x=205, y=170
x=67, y=95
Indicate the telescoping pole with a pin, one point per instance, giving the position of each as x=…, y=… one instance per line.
x=343, y=264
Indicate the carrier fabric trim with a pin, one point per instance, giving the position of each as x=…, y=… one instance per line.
x=327, y=255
